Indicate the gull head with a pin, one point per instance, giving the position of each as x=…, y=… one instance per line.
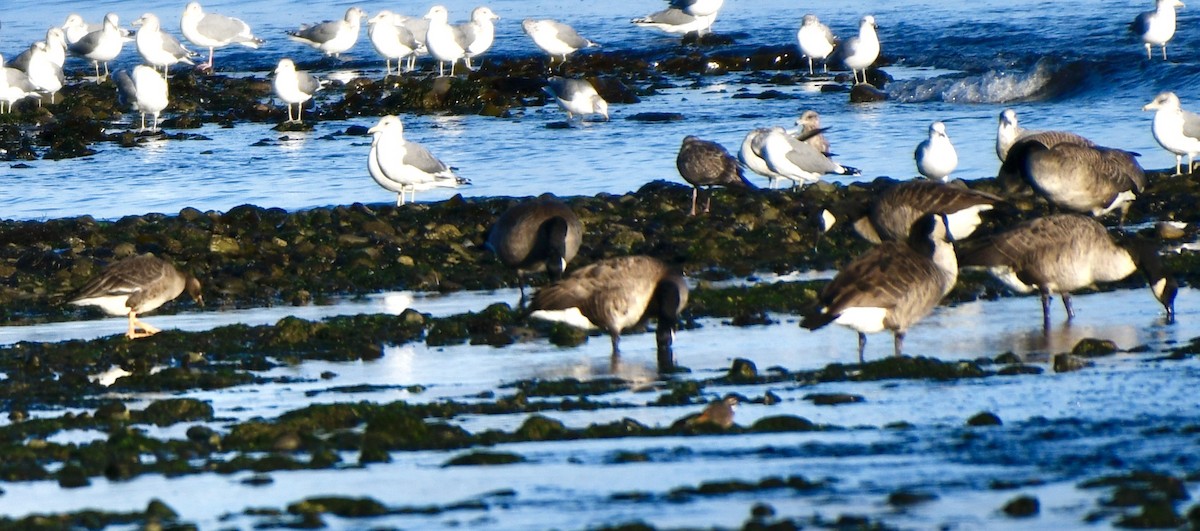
x=382, y=16
x=599, y=106
x=149, y=21
x=1008, y=118
x=937, y=129
x=113, y=20
x=1165, y=100
x=387, y=123
x=438, y=14
x=286, y=66
x=355, y=14
x=868, y=20
x=193, y=9
x=483, y=13
x=811, y=20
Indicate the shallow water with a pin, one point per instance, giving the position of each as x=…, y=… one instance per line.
x=1091, y=80
x=1062, y=65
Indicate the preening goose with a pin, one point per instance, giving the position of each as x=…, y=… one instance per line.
x=895, y=210
x=541, y=234
x=1082, y=178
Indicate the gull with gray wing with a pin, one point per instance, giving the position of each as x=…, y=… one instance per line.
x=145, y=92
x=213, y=30
x=14, y=86
x=157, y=47
x=1157, y=26
x=334, y=36
x=294, y=87
x=445, y=43
x=1175, y=129
x=555, y=38
x=576, y=96
x=405, y=167
x=796, y=160
x=861, y=51
x=816, y=41
x=478, y=33
x=935, y=156
x=100, y=46
x=391, y=39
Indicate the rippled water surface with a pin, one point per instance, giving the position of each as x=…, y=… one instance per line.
x=1063, y=65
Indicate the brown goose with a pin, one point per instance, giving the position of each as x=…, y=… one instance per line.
x=891, y=287
x=1008, y=132
x=618, y=293
x=1065, y=252
x=1080, y=178
x=704, y=163
x=894, y=211
x=541, y=234
x=137, y=285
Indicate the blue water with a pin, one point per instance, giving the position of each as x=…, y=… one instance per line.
x=1062, y=65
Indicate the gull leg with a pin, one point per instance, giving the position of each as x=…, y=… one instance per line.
x=898, y=343
x=1189, y=155
x=210, y=59
x=810, y=68
x=1164, y=51
x=862, y=345
x=1149, y=55
x=1178, y=164
x=143, y=123
x=708, y=202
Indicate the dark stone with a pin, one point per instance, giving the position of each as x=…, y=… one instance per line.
x=985, y=418
x=480, y=458
x=1094, y=348
x=655, y=117
x=905, y=498
x=1022, y=507
x=782, y=423
x=833, y=399
x=742, y=370
x=866, y=93
x=1064, y=362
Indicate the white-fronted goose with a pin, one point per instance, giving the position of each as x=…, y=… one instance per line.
x=541, y=234
x=708, y=164
x=1175, y=129
x=891, y=286
x=895, y=210
x=935, y=156
x=137, y=285
x=1062, y=253
x=1076, y=177
x=618, y=293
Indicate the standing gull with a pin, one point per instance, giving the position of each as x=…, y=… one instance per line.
x=891, y=286
x=677, y=21
x=861, y=50
x=797, y=161
x=555, y=38
x=14, y=86
x=56, y=50
x=616, y=294
x=479, y=32
x=576, y=96
x=157, y=47
x=43, y=73
x=137, y=285
x=100, y=46
x=751, y=155
x=391, y=39
x=74, y=28
x=809, y=131
x=445, y=42
x=708, y=164
x=935, y=156
x=419, y=27
x=1065, y=252
x=1175, y=129
x=402, y=166
x=1156, y=26
x=697, y=8
x=294, y=87
x=212, y=30
x=541, y=234
x=816, y=41
x=332, y=37
x=146, y=92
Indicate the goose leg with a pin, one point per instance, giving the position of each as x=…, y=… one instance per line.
x=1066, y=297
x=708, y=202
x=695, y=190
x=1045, y=309
x=862, y=345
x=898, y=343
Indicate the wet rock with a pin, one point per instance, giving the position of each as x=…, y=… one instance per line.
x=1022, y=507
x=541, y=428
x=258, y=480
x=1094, y=348
x=742, y=370
x=480, y=458
x=866, y=93
x=1064, y=362
x=113, y=411
x=655, y=117
x=1019, y=369
x=782, y=423
x=832, y=399
x=343, y=507
x=72, y=476
x=171, y=411
x=984, y=418
x=629, y=457
x=906, y=498
x=565, y=335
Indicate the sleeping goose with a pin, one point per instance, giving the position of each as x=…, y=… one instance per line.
x=541, y=234
x=891, y=286
x=137, y=285
x=1082, y=178
x=616, y=294
x=1065, y=252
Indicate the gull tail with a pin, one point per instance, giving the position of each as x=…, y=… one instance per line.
x=847, y=170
